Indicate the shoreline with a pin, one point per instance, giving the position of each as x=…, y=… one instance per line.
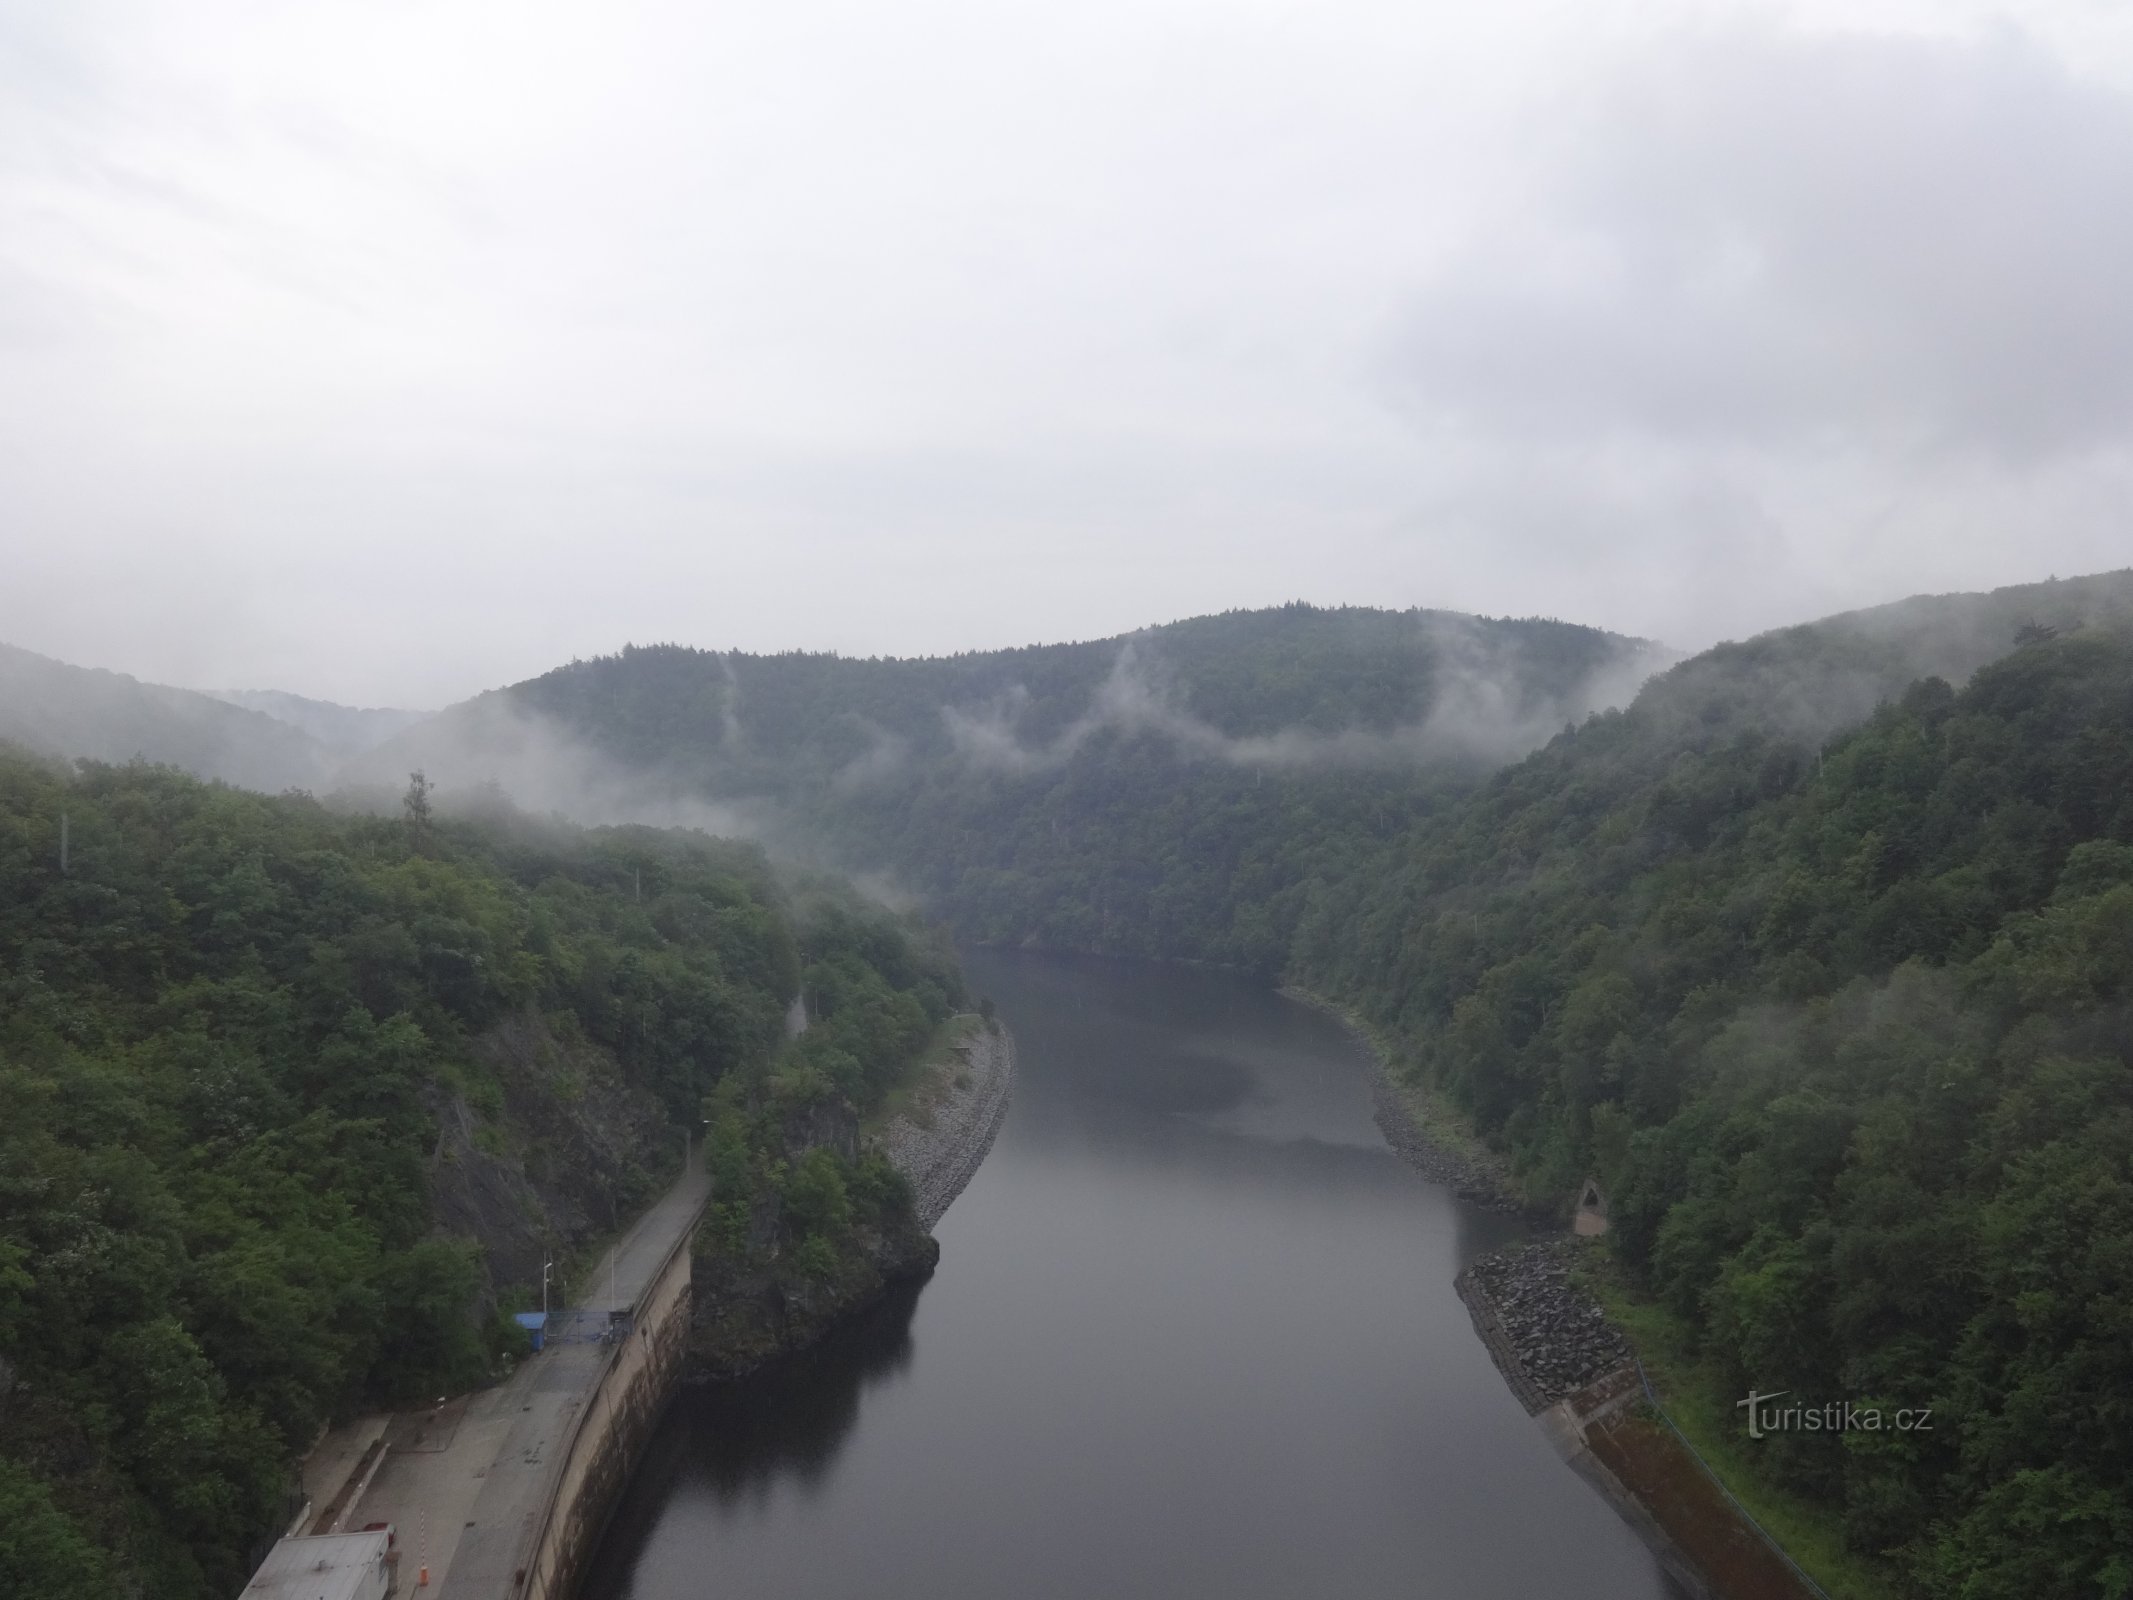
x=1473, y=1174
x=1569, y=1365
x=940, y=1155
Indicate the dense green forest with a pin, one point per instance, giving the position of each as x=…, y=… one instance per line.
x=253, y=1056
x=1846, y=1028
x=1161, y=794
x=1819, y=954
x=1184, y=791
x=1821, y=962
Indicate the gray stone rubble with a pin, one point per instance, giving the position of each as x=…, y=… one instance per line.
x=1479, y=1181
x=1548, y=1337
x=941, y=1152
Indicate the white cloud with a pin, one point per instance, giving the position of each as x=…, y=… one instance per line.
x=384, y=351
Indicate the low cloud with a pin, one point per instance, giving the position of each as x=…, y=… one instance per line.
x=884, y=756
x=491, y=750
x=1479, y=711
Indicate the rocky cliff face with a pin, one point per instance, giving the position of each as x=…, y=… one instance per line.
x=753, y=1310
x=772, y=1287
x=765, y=1288
x=564, y=1152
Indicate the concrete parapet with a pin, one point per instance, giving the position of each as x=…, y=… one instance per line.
x=609, y=1433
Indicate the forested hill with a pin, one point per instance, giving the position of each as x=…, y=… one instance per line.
x=1820, y=954
x=1845, y=1025
x=257, y=739
x=72, y=711
x=1156, y=794
x=343, y=732
x=293, y=1103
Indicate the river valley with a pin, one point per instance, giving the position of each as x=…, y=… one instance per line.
x=1193, y=1334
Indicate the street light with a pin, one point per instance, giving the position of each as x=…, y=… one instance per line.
x=546, y=1266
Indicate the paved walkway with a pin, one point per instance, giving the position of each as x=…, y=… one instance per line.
x=464, y=1481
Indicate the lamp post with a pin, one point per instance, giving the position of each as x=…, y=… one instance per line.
x=546, y=1266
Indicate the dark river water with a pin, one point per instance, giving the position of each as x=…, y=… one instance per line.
x=1193, y=1335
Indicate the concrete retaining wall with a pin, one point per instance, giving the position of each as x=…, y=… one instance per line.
x=610, y=1433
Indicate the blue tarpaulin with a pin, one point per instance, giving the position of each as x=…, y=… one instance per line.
x=535, y=1323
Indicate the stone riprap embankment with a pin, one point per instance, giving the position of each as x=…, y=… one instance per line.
x=939, y=1147
x=1548, y=1337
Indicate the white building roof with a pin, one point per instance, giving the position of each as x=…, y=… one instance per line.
x=322, y=1566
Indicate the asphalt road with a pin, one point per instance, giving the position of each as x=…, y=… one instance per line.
x=464, y=1482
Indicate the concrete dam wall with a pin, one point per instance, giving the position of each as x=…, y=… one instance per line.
x=610, y=1432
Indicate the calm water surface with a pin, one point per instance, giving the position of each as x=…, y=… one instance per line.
x=1193, y=1336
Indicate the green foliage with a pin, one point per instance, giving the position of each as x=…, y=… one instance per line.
x=43, y=1552
x=786, y=1200
x=427, y=1343
x=1821, y=963
x=880, y=1192
x=1825, y=966
x=1166, y=795
x=815, y=1258
x=1847, y=1029
x=227, y=1035
x=816, y=1203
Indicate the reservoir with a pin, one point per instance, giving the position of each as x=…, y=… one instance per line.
x=1193, y=1335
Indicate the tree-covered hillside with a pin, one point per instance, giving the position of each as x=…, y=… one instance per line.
x=1160, y=794
x=1820, y=960
x=1845, y=1025
x=290, y=1100
x=1820, y=954
x=73, y=711
x=342, y=732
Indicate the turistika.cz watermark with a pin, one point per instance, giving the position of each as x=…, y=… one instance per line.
x=1766, y=1417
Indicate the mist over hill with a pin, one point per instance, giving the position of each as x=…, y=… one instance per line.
x=263, y=739
x=70, y=711
x=343, y=732
x=1131, y=793
x=1814, y=947
x=1838, y=1005
x=1816, y=952
x=1177, y=791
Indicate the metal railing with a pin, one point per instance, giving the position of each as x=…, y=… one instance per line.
x=527, y=1569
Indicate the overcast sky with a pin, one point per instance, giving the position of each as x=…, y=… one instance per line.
x=389, y=351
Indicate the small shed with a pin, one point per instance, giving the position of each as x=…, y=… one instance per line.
x=536, y=1325
x=1591, y=1220
x=327, y=1566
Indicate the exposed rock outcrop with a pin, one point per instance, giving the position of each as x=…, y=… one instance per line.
x=759, y=1298
x=755, y=1307
x=572, y=1151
